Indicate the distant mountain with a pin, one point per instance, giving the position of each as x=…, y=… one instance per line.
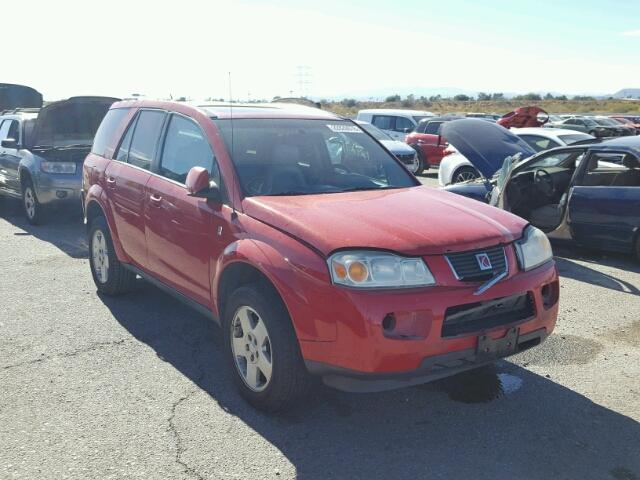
x=627, y=93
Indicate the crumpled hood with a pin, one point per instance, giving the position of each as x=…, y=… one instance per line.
x=398, y=148
x=410, y=221
x=484, y=144
x=72, y=121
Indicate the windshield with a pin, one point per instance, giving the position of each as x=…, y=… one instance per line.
x=375, y=132
x=304, y=157
x=602, y=121
x=573, y=138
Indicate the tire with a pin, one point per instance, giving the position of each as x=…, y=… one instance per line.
x=286, y=380
x=33, y=209
x=109, y=275
x=464, y=174
x=422, y=162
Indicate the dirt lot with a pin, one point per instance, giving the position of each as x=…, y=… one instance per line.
x=98, y=388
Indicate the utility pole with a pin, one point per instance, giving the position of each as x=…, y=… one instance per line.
x=303, y=77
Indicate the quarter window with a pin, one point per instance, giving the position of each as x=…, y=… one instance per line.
x=186, y=147
x=123, y=151
x=106, y=129
x=145, y=138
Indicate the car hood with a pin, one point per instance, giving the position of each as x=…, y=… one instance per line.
x=410, y=221
x=396, y=147
x=19, y=96
x=69, y=122
x=484, y=144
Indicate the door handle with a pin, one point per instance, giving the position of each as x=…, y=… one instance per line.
x=111, y=182
x=156, y=200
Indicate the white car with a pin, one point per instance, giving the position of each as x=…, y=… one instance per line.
x=396, y=122
x=455, y=168
x=403, y=152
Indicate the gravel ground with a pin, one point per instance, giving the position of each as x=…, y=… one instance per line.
x=99, y=388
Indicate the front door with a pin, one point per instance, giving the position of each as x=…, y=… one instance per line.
x=126, y=181
x=604, y=207
x=9, y=158
x=184, y=233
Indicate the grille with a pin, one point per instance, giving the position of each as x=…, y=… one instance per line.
x=406, y=158
x=466, y=267
x=474, y=317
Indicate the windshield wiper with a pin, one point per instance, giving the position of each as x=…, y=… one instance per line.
x=359, y=189
x=289, y=193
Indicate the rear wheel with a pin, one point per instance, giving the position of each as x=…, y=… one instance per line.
x=262, y=349
x=33, y=209
x=422, y=162
x=109, y=275
x=464, y=174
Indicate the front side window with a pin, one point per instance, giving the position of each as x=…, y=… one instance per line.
x=185, y=147
x=403, y=125
x=145, y=138
x=304, y=157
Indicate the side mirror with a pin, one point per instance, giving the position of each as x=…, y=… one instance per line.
x=9, y=143
x=199, y=184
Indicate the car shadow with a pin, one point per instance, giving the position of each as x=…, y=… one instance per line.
x=566, y=258
x=63, y=227
x=505, y=423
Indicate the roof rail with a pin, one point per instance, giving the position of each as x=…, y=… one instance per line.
x=19, y=110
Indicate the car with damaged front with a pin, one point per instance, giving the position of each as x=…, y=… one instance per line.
x=587, y=192
x=314, y=261
x=42, y=150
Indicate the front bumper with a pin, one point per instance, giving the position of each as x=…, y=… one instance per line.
x=365, y=349
x=58, y=188
x=431, y=368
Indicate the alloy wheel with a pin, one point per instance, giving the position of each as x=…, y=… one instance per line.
x=30, y=202
x=465, y=176
x=251, y=348
x=99, y=256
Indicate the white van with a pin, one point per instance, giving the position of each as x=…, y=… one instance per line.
x=397, y=123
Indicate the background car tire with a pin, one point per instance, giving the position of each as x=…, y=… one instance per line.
x=118, y=280
x=464, y=174
x=422, y=161
x=33, y=209
x=289, y=381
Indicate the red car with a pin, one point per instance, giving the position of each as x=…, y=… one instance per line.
x=314, y=260
x=427, y=141
x=628, y=122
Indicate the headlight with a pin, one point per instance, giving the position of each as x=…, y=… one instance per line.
x=533, y=249
x=372, y=269
x=58, y=167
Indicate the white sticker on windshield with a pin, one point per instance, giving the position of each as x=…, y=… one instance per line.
x=343, y=128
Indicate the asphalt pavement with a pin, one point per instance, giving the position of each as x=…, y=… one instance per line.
x=93, y=387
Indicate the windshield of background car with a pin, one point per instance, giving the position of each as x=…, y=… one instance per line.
x=304, y=157
x=574, y=137
x=375, y=132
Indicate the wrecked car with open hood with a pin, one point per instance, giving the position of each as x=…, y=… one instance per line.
x=586, y=192
x=42, y=150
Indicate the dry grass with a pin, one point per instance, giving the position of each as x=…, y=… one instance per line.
x=605, y=107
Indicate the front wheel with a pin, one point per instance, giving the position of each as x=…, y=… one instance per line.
x=109, y=275
x=422, y=162
x=262, y=349
x=464, y=174
x=33, y=209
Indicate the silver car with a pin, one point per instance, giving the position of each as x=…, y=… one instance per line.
x=42, y=151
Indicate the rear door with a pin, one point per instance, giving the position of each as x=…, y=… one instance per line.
x=9, y=158
x=184, y=233
x=604, y=206
x=126, y=182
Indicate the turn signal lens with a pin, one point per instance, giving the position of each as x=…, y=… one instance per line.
x=358, y=272
x=339, y=270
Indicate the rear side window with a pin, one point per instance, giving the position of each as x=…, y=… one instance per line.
x=383, y=122
x=106, y=130
x=186, y=147
x=433, y=128
x=145, y=138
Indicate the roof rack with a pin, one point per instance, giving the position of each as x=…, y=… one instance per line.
x=19, y=110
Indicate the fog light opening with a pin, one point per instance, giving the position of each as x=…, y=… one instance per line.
x=389, y=322
x=550, y=293
x=61, y=193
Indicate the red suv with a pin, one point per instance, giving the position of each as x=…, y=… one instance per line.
x=427, y=141
x=315, y=260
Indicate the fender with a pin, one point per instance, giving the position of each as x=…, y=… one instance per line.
x=294, y=281
x=96, y=194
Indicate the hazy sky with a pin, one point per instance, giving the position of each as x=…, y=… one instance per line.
x=186, y=48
